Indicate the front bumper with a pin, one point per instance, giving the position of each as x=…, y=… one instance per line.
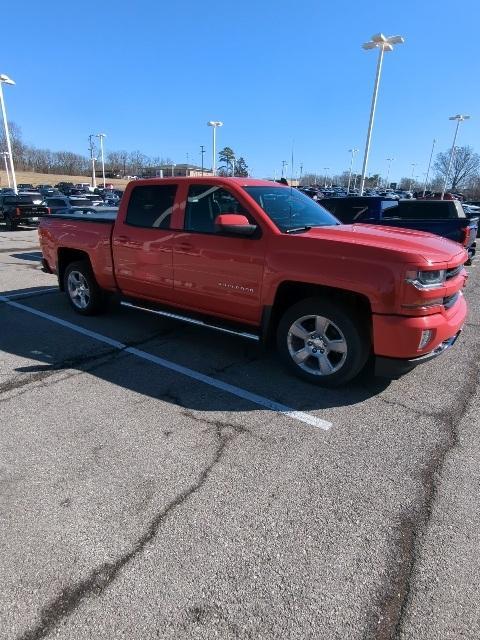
x=396, y=338
x=396, y=367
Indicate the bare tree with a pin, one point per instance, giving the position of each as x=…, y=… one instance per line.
x=465, y=166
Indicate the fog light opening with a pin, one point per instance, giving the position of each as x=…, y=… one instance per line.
x=425, y=338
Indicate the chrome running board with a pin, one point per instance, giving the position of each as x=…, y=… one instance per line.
x=200, y=323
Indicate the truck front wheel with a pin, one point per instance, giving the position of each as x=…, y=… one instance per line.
x=323, y=342
x=82, y=290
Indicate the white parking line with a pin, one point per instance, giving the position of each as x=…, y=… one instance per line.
x=301, y=416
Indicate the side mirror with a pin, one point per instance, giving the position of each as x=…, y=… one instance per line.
x=234, y=223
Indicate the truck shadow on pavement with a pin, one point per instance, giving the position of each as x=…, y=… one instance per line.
x=225, y=358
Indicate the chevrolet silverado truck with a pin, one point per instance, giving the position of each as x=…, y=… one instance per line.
x=445, y=218
x=265, y=261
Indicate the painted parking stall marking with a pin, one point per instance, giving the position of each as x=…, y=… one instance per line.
x=261, y=401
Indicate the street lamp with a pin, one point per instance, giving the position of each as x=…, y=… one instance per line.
x=4, y=79
x=389, y=160
x=284, y=166
x=459, y=118
x=414, y=164
x=214, y=124
x=326, y=169
x=353, y=152
x=92, y=158
x=382, y=43
x=102, y=136
x=428, y=170
x=5, y=156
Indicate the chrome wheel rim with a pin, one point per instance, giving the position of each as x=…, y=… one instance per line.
x=317, y=345
x=78, y=289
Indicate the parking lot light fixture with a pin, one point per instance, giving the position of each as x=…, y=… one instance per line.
x=214, y=124
x=5, y=156
x=389, y=160
x=382, y=43
x=428, y=170
x=459, y=118
x=92, y=158
x=353, y=152
x=101, y=136
x=4, y=79
x=326, y=175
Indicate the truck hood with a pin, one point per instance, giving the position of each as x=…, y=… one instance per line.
x=401, y=241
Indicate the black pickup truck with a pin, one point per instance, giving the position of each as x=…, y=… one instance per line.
x=445, y=218
x=24, y=208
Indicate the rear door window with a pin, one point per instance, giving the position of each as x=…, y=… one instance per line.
x=151, y=206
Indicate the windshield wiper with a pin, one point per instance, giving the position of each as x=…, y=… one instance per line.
x=298, y=229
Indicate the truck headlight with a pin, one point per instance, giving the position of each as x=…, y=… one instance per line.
x=427, y=279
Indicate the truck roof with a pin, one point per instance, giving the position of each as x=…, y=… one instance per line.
x=241, y=182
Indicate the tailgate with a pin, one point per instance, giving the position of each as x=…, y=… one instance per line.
x=30, y=211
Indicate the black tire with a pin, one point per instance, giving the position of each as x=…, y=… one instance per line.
x=10, y=223
x=89, y=300
x=340, y=353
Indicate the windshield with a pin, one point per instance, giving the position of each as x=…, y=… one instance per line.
x=290, y=209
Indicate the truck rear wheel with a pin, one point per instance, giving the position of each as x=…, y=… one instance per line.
x=322, y=342
x=10, y=224
x=82, y=290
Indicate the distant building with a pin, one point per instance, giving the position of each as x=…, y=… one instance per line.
x=175, y=170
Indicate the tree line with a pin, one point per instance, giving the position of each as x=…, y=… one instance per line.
x=463, y=174
x=117, y=163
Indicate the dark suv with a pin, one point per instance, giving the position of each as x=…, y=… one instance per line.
x=24, y=208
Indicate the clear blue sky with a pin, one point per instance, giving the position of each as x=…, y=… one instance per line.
x=150, y=75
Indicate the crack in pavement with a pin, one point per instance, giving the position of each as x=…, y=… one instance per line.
x=99, y=578
x=46, y=371
x=390, y=611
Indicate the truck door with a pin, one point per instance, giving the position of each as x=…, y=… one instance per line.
x=217, y=273
x=142, y=243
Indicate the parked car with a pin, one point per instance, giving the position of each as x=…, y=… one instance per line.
x=442, y=217
x=57, y=203
x=266, y=262
x=86, y=186
x=64, y=186
x=23, y=208
x=25, y=186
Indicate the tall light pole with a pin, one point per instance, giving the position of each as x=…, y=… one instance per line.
x=102, y=136
x=414, y=164
x=214, y=124
x=389, y=160
x=459, y=118
x=233, y=167
x=428, y=170
x=92, y=158
x=5, y=156
x=202, y=153
x=326, y=169
x=382, y=43
x=284, y=165
x=353, y=152
x=6, y=80
x=301, y=171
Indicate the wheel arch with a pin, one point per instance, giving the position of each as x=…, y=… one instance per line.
x=66, y=256
x=290, y=292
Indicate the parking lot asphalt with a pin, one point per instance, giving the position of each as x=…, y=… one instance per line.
x=140, y=502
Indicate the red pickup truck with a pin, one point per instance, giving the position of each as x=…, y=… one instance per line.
x=265, y=261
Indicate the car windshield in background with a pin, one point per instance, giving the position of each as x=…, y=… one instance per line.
x=290, y=209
